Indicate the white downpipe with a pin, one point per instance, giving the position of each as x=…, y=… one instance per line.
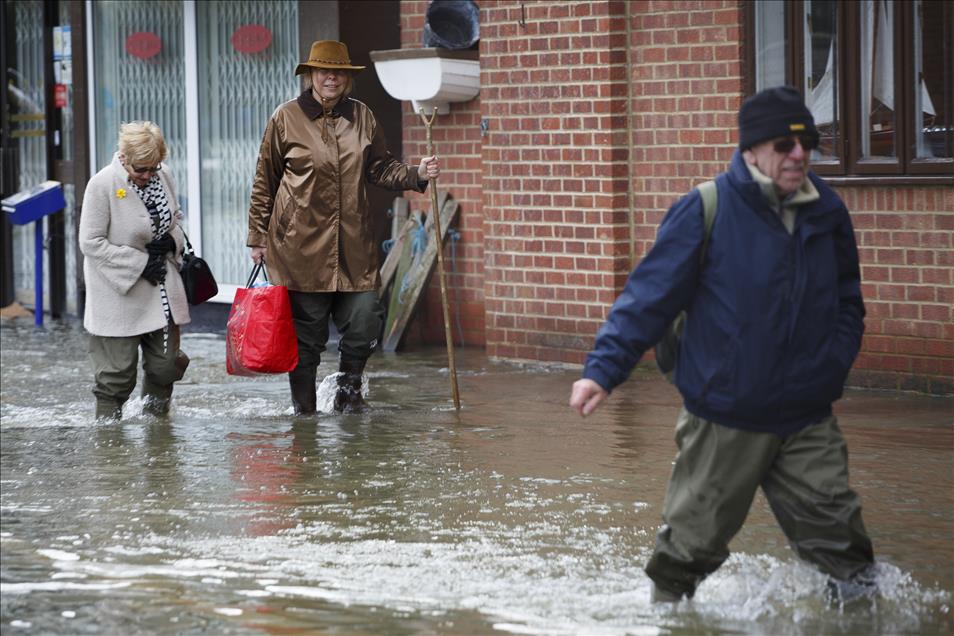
x=91, y=93
x=193, y=160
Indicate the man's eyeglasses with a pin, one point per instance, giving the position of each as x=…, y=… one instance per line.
x=785, y=146
x=144, y=170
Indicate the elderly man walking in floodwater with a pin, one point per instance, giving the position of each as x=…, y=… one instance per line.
x=775, y=319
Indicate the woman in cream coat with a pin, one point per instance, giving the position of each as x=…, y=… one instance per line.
x=131, y=236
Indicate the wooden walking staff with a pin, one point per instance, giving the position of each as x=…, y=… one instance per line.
x=440, y=263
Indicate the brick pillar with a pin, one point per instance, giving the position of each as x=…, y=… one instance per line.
x=687, y=89
x=555, y=160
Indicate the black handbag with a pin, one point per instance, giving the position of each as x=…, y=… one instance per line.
x=197, y=278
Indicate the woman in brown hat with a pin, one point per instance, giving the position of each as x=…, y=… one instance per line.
x=309, y=219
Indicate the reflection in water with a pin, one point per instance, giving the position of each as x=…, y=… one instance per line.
x=234, y=517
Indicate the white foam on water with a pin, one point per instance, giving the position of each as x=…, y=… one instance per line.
x=787, y=597
x=328, y=387
x=137, y=551
x=220, y=410
x=185, y=568
x=387, y=374
x=541, y=480
x=310, y=592
x=53, y=586
x=253, y=593
x=15, y=507
x=58, y=555
x=70, y=414
x=547, y=592
x=524, y=583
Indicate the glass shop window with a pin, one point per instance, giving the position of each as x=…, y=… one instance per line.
x=878, y=75
x=227, y=65
x=246, y=62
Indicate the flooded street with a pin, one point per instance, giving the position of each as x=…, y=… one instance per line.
x=514, y=516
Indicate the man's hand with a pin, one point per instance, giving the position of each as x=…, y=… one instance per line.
x=259, y=254
x=586, y=396
x=429, y=169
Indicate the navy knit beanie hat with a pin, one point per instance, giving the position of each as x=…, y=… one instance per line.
x=774, y=112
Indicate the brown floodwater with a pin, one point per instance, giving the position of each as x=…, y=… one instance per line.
x=514, y=515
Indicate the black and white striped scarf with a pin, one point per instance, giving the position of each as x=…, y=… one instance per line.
x=154, y=197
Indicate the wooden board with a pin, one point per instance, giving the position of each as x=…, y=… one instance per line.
x=399, y=211
x=413, y=272
x=407, y=227
x=401, y=226
x=393, y=258
x=403, y=262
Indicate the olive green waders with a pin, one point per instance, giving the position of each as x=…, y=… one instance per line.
x=114, y=370
x=804, y=477
x=359, y=319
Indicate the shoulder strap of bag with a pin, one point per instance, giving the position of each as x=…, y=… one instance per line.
x=710, y=205
x=188, y=246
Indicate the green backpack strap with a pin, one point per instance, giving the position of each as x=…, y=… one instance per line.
x=710, y=204
x=667, y=349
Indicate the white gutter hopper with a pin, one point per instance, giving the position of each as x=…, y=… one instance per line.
x=429, y=77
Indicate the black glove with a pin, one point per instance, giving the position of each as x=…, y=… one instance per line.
x=161, y=245
x=155, y=270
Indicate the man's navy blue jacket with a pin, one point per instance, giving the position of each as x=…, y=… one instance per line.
x=774, y=320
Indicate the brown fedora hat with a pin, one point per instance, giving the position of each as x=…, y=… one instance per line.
x=328, y=54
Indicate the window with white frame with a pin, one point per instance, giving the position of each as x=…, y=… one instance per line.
x=209, y=73
x=878, y=75
x=247, y=54
x=139, y=70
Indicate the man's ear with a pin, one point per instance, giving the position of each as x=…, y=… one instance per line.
x=749, y=157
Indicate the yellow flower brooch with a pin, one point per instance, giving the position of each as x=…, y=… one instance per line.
x=121, y=193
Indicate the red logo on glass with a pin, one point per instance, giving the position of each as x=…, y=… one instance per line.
x=143, y=44
x=251, y=38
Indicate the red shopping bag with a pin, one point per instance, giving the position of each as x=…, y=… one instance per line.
x=260, y=335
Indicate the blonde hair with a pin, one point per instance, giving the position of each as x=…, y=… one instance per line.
x=142, y=143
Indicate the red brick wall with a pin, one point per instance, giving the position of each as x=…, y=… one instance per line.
x=555, y=209
x=907, y=271
x=687, y=85
x=554, y=174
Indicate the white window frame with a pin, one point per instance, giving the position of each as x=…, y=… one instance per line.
x=193, y=158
